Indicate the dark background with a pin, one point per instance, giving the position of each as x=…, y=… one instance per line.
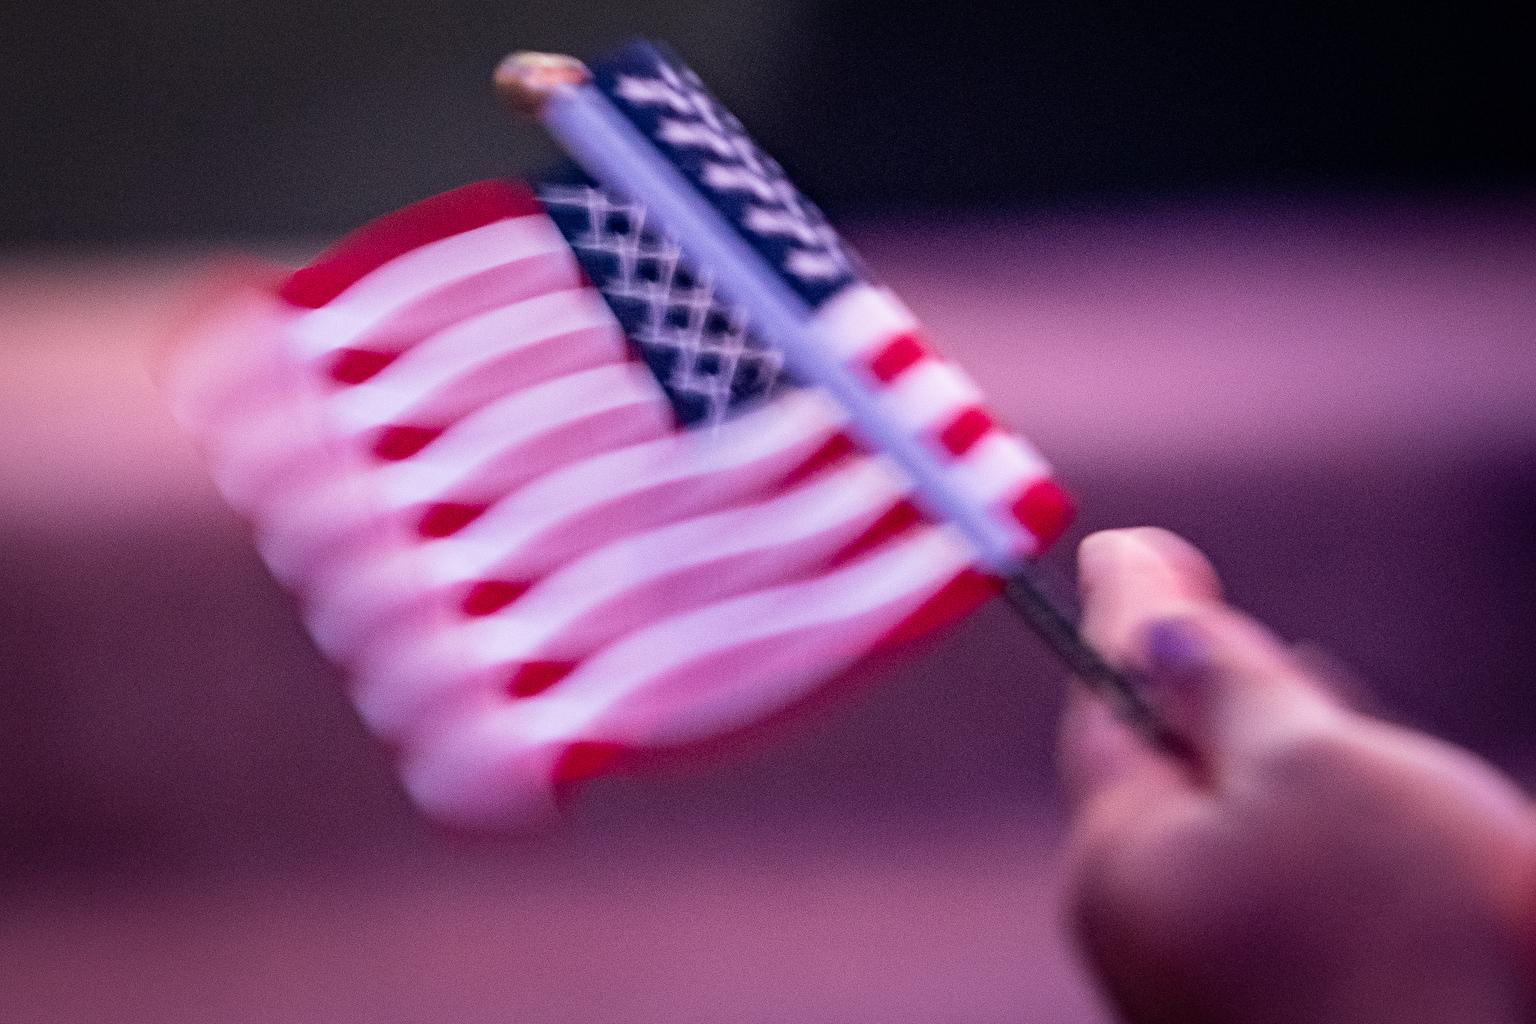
x=148, y=120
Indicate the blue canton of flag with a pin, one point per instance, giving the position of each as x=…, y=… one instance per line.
x=668, y=104
x=700, y=348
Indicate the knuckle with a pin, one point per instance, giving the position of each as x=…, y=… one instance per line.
x=1316, y=755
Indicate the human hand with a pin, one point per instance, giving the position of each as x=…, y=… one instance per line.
x=1299, y=863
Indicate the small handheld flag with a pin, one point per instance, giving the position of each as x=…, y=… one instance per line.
x=567, y=473
x=644, y=124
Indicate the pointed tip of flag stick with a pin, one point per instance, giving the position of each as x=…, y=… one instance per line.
x=525, y=80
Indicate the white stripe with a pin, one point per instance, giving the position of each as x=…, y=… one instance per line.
x=928, y=396
x=300, y=526
x=524, y=343
x=619, y=588
x=860, y=319
x=694, y=676
x=350, y=600
x=574, y=510
x=834, y=618
x=997, y=465
x=256, y=454
x=476, y=461
x=799, y=528
x=380, y=296
x=675, y=476
x=506, y=442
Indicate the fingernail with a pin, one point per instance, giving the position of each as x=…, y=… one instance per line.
x=1175, y=651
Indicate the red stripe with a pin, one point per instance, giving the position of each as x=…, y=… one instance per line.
x=355, y=365
x=965, y=430
x=447, y=518
x=959, y=596
x=897, y=519
x=836, y=448
x=401, y=442
x=898, y=354
x=537, y=676
x=1045, y=510
x=392, y=236
x=490, y=596
x=586, y=759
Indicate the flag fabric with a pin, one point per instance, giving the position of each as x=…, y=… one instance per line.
x=551, y=500
x=646, y=126
x=666, y=103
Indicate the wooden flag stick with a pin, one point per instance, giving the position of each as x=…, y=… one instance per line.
x=525, y=80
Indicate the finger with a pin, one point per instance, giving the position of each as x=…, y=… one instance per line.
x=1129, y=577
x=1098, y=753
x=1218, y=679
x=1337, y=678
x=1230, y=689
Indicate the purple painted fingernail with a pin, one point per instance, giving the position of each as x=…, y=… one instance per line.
x=1175, y=650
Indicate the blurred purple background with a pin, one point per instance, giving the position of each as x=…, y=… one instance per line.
x=1281, y=305
x=1334, y=400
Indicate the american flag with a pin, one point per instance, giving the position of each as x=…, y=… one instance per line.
x=551, y=499
x=645, y=126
